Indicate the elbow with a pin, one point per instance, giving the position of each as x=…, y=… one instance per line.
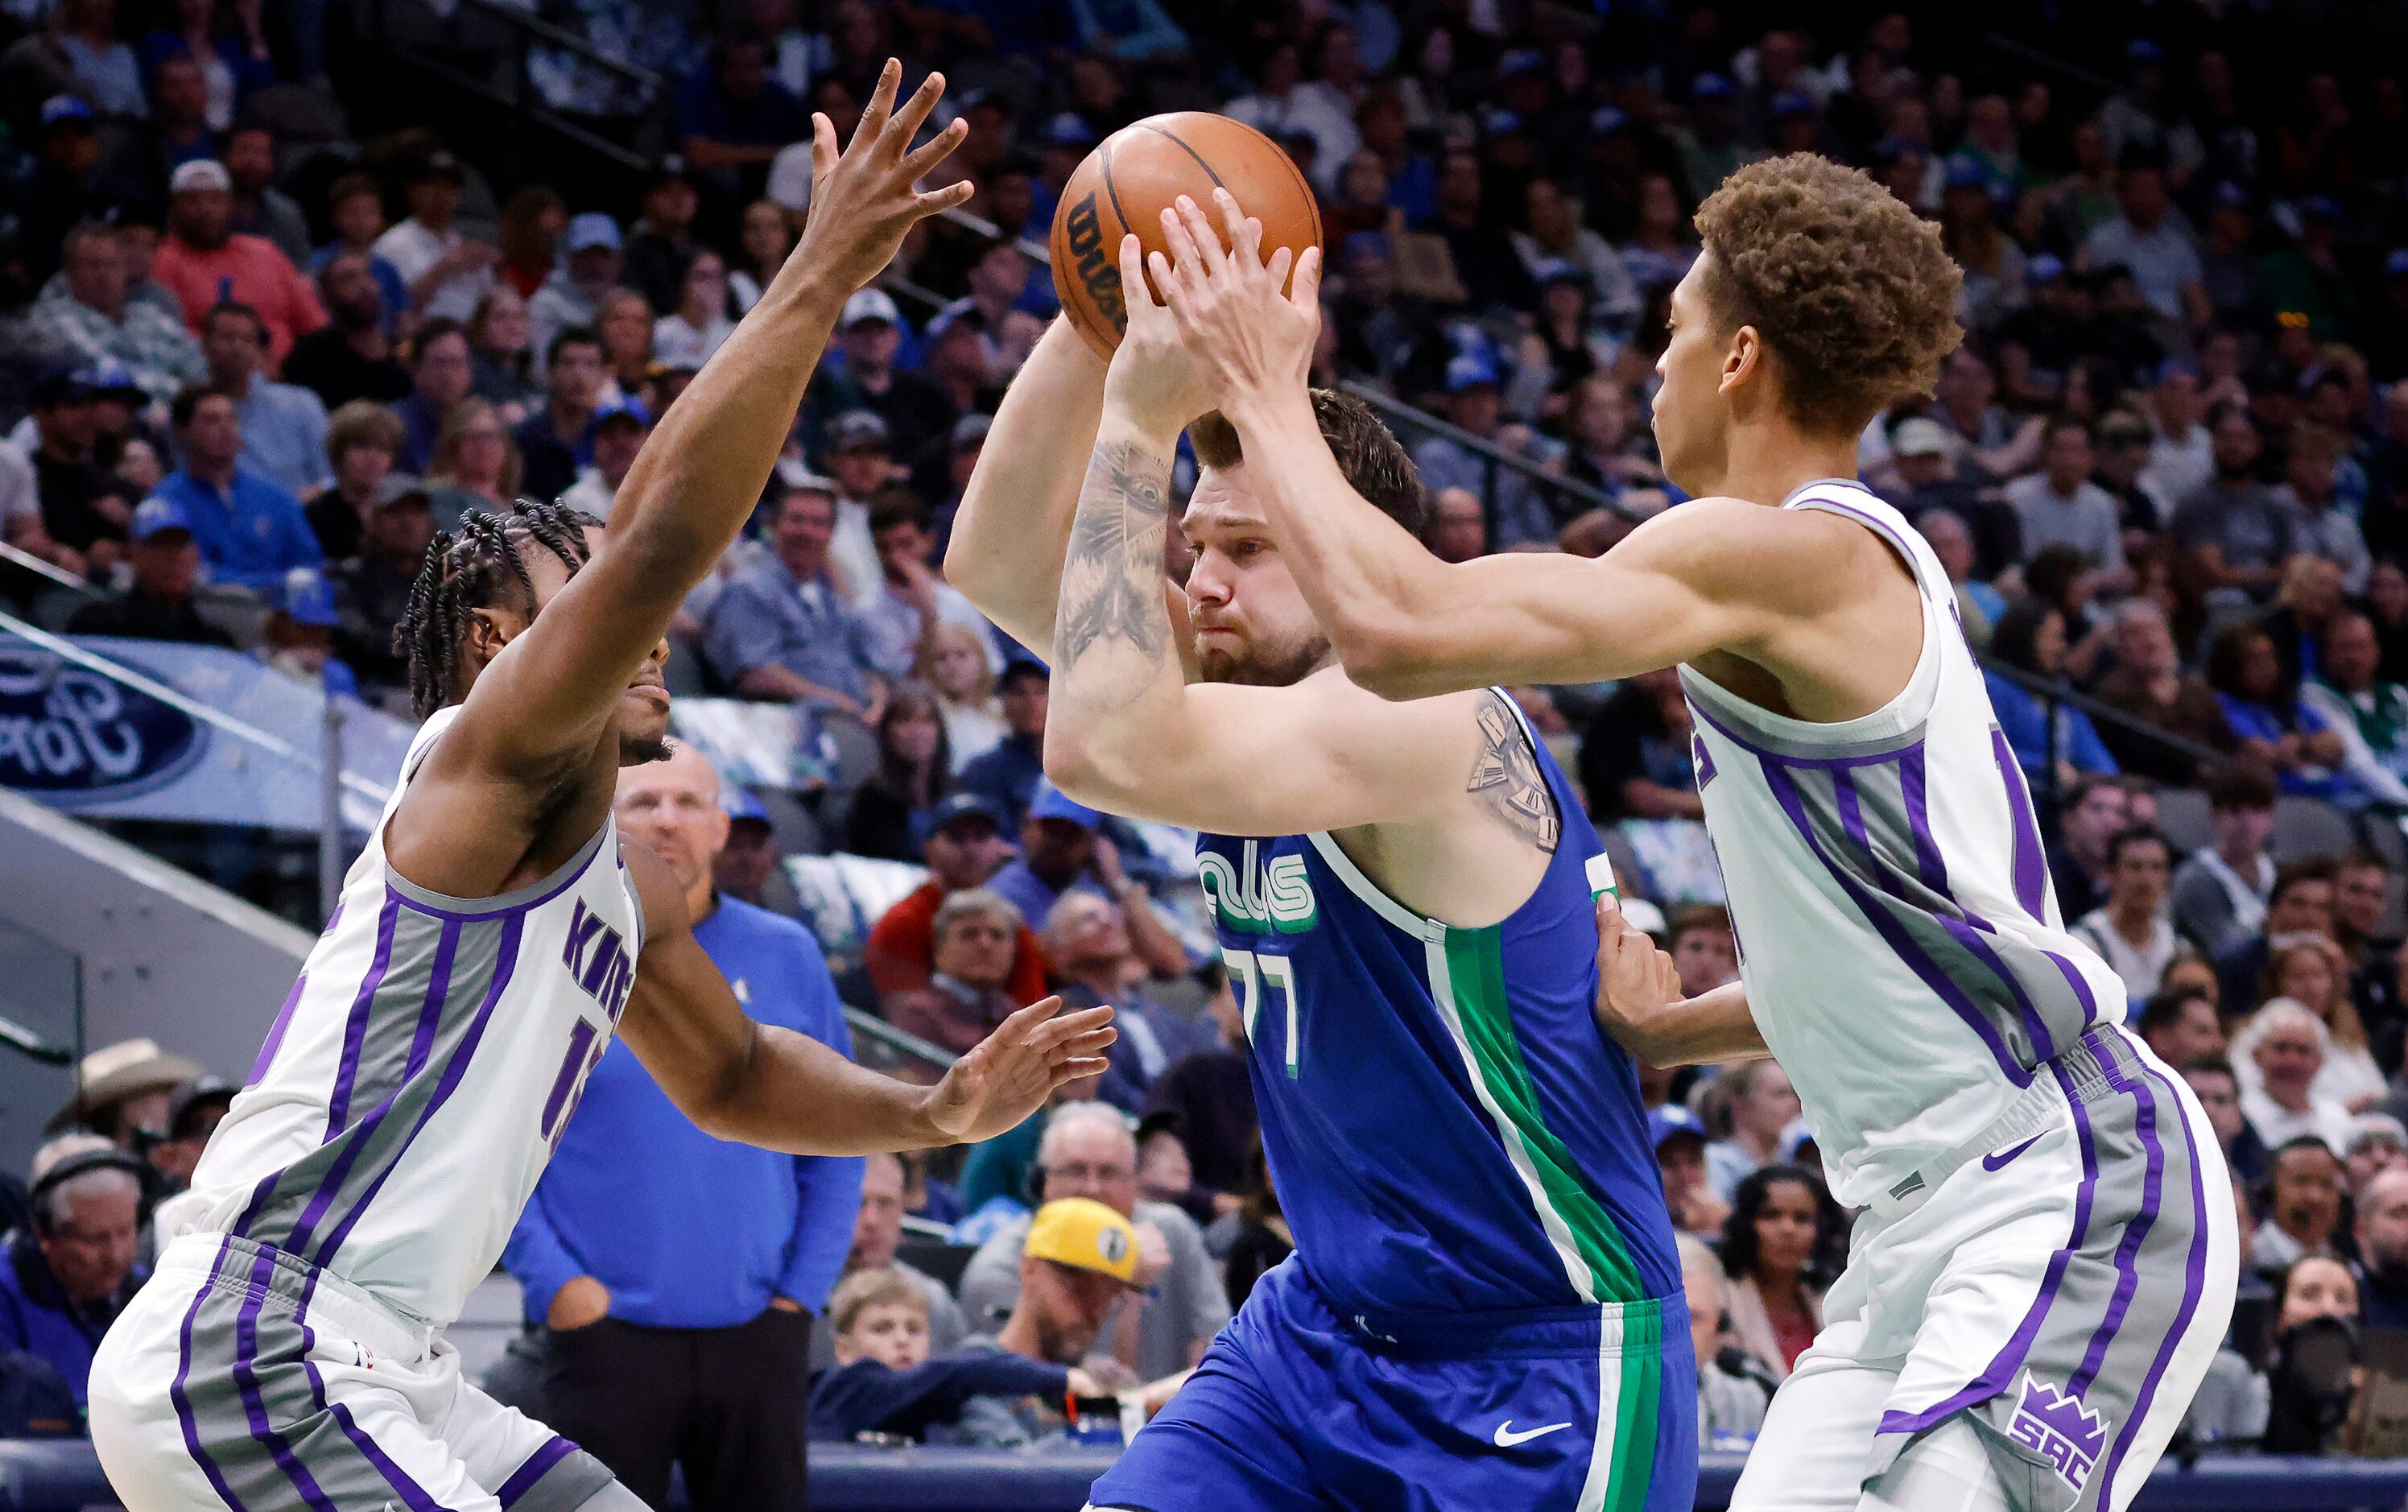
x=1385, y=653
x=1087, y=764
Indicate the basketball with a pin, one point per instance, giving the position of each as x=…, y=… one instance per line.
x=1139, y=171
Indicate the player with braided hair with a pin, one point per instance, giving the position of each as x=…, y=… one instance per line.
x=491, y=939
x=478, y=566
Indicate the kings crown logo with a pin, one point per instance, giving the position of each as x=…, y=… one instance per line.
x=1253, y=897
x=2057, y=1426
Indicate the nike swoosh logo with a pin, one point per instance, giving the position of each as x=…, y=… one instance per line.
x=1998, y=1161
x=1507, y=1438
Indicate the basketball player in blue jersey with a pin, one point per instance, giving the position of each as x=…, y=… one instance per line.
x=2047, y=1258
x=288, y=1351
x=1485, y=1310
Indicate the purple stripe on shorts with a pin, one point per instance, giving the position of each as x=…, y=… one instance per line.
x=2194, y=1284
x=255, y=1405
x=2031, y=867
x=2127, y=1275
x=177, y=1393
x=538, y=1465
x=1917, y=960
x=413, y=1495
x=355, y=1033
x=274, y=1040
x=506, y=961
x=2001, y=1368
x=430, y=1016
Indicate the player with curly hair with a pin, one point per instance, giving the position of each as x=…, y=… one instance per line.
x=2047, y=1260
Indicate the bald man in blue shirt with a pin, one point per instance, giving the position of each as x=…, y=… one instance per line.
x=679, y=1273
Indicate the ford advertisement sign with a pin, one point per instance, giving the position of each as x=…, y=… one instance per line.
x=70, y=736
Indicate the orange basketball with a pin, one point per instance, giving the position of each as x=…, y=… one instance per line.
x=1141, y=170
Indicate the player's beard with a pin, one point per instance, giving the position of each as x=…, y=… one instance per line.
x=639, y=750
x=1265, y=666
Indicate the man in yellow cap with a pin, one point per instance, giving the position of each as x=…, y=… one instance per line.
x=1080, y=1258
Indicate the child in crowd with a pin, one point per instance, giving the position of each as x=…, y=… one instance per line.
x=884, y=1382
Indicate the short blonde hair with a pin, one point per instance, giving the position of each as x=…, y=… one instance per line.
x=881, y=1286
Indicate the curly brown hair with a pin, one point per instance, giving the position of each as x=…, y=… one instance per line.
x=1850, y=290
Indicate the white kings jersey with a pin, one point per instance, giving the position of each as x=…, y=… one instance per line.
x=420, y=1072
x=1902, y=948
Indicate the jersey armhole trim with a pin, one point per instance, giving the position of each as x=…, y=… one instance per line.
x=518, y=900
x=1363, y=888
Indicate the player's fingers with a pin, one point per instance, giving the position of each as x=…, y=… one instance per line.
x=823, y=147
x=1093, y=1042
x=1186, y=258
x=1281, y=257
x=1066, y=1027
x=881, y=105
x=1165, y=280
x=936, y=201
x=1071, y=1071
x=1245, y=236
x=934, y=149
x=1134, y=292
x=1208, y=240
x=1028, y=1018
x=1305, y=294
x=908, y=120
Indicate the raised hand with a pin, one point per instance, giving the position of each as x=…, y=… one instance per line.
x=863, y=201
x=1011, y=1072
x=1157, y=382
x=1228, y=303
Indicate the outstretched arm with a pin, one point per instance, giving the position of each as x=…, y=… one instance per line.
x=548, y=697
x=1710, y=575
x=740, y=1079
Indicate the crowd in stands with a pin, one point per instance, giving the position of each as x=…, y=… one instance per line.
x=2168, y=471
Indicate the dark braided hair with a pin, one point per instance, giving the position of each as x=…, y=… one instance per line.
x=479, y=566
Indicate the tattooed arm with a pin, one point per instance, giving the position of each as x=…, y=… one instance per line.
x=1127, y=733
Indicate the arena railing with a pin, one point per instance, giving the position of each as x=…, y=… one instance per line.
x=894, y=1046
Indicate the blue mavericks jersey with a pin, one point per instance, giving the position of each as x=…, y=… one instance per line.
x=1448, y=1127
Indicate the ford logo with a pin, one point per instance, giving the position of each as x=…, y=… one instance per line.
x=73, y=736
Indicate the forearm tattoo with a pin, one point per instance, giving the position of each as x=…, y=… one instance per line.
x=1112, y=580
x=1507, y=781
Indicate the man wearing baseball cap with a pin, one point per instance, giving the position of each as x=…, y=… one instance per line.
x=204, y=261
x=593, y=255
x=158, y=604
x=965, y=845
x=915, y=410
x=618, y=429
x=1061, y=849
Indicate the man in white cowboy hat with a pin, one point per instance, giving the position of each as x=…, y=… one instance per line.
x=123, y=1087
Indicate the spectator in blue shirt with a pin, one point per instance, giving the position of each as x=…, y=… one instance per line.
x=65, y=1281
x=441, y=369
x=782, y=628
x=732, y=117
x=1061, y=851
x=2032, y=635
x=252, y=531
x=283, y=425
x=679, y=1273
x=1006, y=775
x=556, y=442
x=2264, y=708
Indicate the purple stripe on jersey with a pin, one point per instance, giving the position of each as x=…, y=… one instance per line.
x=254, y=1404
x=355, y=1033
x=538, y=1465
x=506, y=961
x=1859, y=758
x=274, y=1040
x=177, y=1393
x=2031, y=867
x=430, y=1014
x=1916, y=959
x=413, y=1495
x=2127, y=1275
x=1914, y=780
x=2010, y=1358
x=2194, y=1284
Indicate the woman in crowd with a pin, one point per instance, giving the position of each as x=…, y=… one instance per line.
x=1781, y=1218
x=953, y=664
x=624, y=322
x=688, y=335
x=529, y=239
x=2061, y=576
x=767, y=238
x=1746, y=1108
x=888, y=818
x=2273, y=727
x=476, y=464
x=2030, y=635
x=2309, y=971
x=498, y=343
x=2310, y=1388
x=1361, y=203
x=361, y=440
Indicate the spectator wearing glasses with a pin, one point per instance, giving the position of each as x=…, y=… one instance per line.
x=66, y=1278
x=1088, y=1150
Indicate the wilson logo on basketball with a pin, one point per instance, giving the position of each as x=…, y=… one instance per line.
x=1098, y=273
